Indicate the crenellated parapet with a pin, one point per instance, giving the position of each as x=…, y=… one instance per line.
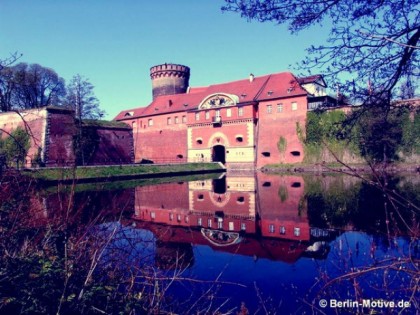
x=169, y=79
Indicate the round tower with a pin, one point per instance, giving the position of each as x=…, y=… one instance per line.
x=169, y=79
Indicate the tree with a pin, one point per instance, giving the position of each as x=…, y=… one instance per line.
x=15, y=147
x=373, y=43
x=37, y=86
x=81, y=98
x=26, y=86
x=7, y=89
x=381, y=133
x=6, y=83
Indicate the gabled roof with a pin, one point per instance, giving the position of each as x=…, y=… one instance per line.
x=273, y=86
x=316, y=78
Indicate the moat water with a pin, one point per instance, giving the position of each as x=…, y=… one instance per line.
x=273, y=244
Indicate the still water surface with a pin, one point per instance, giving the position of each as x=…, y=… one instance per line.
x=277, y=243
x=272, y=243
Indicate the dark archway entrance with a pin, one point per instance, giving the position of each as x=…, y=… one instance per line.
x=219, y=154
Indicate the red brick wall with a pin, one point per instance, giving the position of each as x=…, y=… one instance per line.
x=115, y=146
x=60, y=133
x=155, y=203
x=272, y=126
x=161, y=142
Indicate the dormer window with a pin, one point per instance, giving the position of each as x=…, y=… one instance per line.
x=128, y=114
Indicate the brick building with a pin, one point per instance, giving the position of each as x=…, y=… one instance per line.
x=245, y=124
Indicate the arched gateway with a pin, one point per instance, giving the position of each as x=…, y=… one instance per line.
x=219, y=154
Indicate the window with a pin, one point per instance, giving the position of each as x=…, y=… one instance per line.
x=220, y=223
x=279, y=108
x=243, y=226
x=282, y=230
x=266, y=154
x=209, y=223
x=218, y=113
x=178, y=217
x=269, y=109
x=169, y=120
x=152, y=215
x=294, y=106
x=231, y=226
x=176, y=120
x=240, y=111
x=296, y=231
x=229, y=112
x=197, y=116
x=184, y=119
x=239, y=139
x=207, y=115
x=200, y=222
x=271, y=228
x=171, y=216
x=150, y=122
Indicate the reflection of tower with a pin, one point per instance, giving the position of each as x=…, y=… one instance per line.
x=169, y=79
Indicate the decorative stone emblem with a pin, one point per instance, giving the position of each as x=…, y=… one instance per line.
x=218, y=100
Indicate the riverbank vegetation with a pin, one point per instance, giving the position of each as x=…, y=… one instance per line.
x=365, y=136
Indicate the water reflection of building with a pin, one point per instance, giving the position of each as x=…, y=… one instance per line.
x=81, y=207
x=263, y=216
x=282, y=207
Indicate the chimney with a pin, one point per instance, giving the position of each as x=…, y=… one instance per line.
x=251, y=77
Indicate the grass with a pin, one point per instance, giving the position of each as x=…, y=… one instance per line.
x=109, y=172
x=125, y=184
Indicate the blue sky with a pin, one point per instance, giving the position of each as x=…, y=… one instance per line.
x=114, y=43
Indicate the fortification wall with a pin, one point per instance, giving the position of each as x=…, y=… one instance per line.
x=60, y=132
x=159, y=141
x=111, y=145
x=281, y=121
x=52, y=132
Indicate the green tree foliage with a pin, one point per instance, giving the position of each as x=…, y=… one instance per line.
x=15, y=147
x=324, y=126
x=380, y=133
x=328, y=129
